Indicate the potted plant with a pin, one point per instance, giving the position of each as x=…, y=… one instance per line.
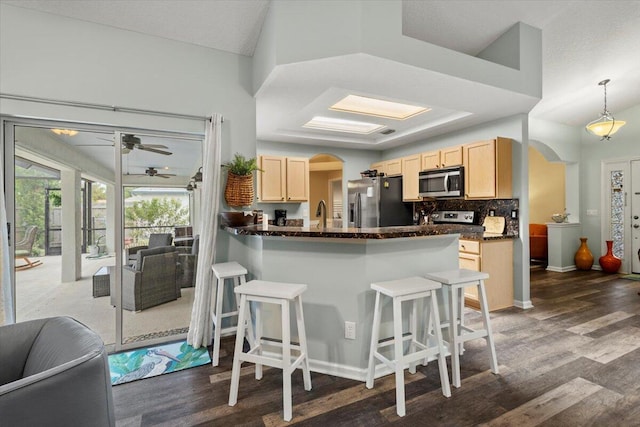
x=239, y=188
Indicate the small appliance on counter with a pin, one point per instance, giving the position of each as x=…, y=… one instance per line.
x=281, y=217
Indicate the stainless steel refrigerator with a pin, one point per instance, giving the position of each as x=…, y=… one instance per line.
x=377, y=202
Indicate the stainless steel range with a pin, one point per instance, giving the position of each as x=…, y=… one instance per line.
x=453, y=217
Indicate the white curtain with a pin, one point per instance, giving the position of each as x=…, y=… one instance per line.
x=6, y=300
x=201, y=326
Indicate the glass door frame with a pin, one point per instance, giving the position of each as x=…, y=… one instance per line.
x=7, y=145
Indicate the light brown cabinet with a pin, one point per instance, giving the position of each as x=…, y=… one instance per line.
x=283, y=179
x=451, y=156
x=488, y=166
x=391, y=167
x=410, y=170
x=494, y=257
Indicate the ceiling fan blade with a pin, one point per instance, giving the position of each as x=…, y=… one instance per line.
x=105, y=139
x=155, y=146
x=162, y=175
x=153, y=150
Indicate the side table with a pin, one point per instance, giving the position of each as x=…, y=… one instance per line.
x=101, y=282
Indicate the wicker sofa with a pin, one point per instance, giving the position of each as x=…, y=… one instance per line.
x=152, y=280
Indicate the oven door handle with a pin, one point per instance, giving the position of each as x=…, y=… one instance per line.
x=446, y=182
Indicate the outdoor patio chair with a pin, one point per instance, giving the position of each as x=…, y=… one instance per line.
x=24, y=248
x=156, y=240
x=188, y=264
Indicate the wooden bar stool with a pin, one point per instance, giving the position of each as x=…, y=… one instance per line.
x=226, y=270
x=409, y=289
x=455, y=281
x=282, y=294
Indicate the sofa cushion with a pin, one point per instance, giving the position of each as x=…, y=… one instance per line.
x=61, y=340
x=153, y=251
x=13, y=357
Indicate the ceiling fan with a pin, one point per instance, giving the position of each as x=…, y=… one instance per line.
x=152, y=172
x=131, y=142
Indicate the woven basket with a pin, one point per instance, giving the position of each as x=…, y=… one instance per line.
x=239, y=190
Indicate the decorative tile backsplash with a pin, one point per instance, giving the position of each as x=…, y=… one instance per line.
x=482, y=208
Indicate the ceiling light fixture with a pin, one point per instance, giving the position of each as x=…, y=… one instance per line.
x=66, y=132
x=377, y=107
x=605, y=125
x=198, y=175
x=342, y=125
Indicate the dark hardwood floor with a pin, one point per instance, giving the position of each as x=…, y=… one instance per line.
x=572, y=360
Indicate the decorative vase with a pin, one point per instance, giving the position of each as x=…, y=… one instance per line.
x=584, y=257
x=609, y=262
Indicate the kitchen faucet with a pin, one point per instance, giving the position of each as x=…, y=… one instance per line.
x=322, y=210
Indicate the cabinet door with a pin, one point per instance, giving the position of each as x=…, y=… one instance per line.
x=451, y=156
x=470, y=262
x=297, y=179
x=273, y=178
x=480, y=169
x=379, y=166
x=393, y=167
x=430, y=160
x=410, y=169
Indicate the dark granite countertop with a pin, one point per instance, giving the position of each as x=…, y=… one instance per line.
x=469, y=232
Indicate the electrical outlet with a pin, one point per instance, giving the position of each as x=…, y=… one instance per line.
x=350, y=330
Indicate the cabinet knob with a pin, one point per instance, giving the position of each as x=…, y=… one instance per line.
x=282, y=198
x=289, y=198
x=443, y=165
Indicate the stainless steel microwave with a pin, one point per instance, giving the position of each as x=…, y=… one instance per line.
x=446, y=182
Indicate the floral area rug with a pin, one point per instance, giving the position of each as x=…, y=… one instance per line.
x=153, y=361
x=631, y=277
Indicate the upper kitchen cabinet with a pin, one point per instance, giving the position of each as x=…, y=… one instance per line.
x=283, y=179
x=488, y=169
x=391, y=167
x=410, y=170
x=446, y=157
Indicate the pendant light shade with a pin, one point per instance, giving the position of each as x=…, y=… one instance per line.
x=605, y=125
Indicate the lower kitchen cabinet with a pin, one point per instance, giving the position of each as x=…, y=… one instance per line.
x=494, y=257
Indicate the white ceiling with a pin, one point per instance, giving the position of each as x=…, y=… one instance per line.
x=584, y=42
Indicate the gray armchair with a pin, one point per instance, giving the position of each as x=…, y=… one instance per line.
x=55, y=372
x=188, y=265
x=152, y=281
x=156, y=240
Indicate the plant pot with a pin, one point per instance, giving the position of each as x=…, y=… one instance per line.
x=239, y=190
x=609, y=262
x=584, y=257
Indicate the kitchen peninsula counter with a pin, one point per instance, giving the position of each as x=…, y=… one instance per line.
x=339, y=265
x=468, y=232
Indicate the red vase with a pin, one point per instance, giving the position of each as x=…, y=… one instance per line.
x=609, y=262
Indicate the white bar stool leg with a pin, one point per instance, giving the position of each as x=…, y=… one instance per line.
x=258, y=339
x=484, y=307
x=454, y=341
x=399, y=356
x=375, y=336
x=237, y=359
x=286, y=361
x=217, y=321
x=442, y=361
x=413, y=329
x=461, y=314
x=302, y=336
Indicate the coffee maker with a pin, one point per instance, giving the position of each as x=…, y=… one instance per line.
x=281, y=217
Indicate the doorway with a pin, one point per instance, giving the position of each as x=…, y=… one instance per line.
x=325, y=184
x=86, y=182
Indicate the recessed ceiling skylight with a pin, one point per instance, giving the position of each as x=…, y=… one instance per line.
x=377, y=107
x=341, y=125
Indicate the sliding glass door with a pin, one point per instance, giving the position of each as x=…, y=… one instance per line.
x=80, y=199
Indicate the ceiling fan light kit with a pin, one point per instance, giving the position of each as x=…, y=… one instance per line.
x=605, y=125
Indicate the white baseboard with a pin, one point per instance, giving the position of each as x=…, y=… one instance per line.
x=525, y=305
x=561, y=269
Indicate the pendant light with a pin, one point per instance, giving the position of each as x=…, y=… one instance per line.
x=605, y=125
